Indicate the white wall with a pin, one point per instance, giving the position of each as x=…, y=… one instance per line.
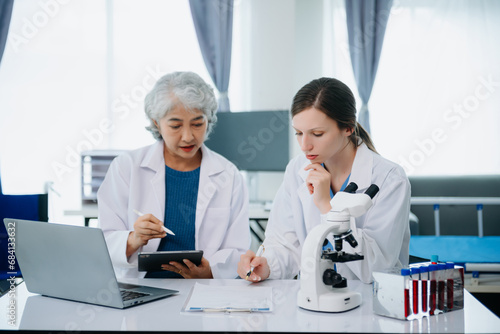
x=281, y=50
x=267, y=54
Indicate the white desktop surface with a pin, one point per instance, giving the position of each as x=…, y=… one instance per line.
x=35, y=312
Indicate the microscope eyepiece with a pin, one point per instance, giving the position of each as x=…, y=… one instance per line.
x=351, y=188
x=372, y=190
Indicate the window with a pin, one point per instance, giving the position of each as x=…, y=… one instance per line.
x=74, y=75
x=434, y=104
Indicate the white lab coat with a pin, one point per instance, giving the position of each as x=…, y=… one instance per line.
x=383, y=233
x=136, y=180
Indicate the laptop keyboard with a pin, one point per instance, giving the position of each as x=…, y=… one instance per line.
x=128, y=295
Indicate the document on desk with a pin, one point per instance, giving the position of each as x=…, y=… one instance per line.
x=241, y=298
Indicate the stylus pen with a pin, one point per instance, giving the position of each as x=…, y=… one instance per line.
x=137, y=212
x=260, y=251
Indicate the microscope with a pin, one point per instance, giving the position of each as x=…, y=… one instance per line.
x=322, y=288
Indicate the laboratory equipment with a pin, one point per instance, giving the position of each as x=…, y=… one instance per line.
x=396, y=294
x=405, y=272
x=424, y=278
x=415, y=276
x=322, y=288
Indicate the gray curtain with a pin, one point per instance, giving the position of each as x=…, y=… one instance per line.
x=213, y=21
x=5, y=15
x=366, y=23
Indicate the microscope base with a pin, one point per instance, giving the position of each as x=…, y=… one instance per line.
x=338, y=300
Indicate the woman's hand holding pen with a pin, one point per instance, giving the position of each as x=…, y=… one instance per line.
x=318, y=182
x=146, y=227
x=260, y=270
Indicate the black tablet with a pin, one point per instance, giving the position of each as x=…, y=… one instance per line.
x=153, y=260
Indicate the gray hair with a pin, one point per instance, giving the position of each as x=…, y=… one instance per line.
x=185, y=88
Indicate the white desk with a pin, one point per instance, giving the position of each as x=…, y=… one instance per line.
x=35, y=312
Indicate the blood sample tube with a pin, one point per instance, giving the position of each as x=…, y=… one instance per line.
x=406, y=273
x=424, y=278
x=441, y=277
x=458, y=288
x=415, y=277
x=450, y=266
x=433, y=288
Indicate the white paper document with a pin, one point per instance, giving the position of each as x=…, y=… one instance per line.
x=242, y=298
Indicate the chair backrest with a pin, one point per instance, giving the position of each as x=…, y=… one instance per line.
x=27, y=207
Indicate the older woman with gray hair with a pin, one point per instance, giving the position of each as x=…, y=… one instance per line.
x=177, y=183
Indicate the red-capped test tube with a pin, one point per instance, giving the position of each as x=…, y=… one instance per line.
x=424, y=277
x=405, y=272
x=432, y=288
x=415, y=277
x=450, y=267
x=441, y=277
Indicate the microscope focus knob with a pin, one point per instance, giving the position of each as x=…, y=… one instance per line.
x=331, y=277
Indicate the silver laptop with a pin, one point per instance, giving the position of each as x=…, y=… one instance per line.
x=73, y=263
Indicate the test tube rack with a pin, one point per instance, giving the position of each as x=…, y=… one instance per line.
x=421, y=290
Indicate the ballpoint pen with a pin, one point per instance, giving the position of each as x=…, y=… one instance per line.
x=260, y=251
x=137, y=212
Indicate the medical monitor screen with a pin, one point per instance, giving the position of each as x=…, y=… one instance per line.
x=253, y=141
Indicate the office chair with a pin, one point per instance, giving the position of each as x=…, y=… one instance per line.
x=28, y=207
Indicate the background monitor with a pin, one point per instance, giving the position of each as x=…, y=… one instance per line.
x=253, y=141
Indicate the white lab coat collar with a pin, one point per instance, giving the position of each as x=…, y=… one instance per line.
x=302, y=172
x=206, y=188
x=363, y=162
x=210, y=165
x=154, y=160
x=310, y=209
x=303, y=191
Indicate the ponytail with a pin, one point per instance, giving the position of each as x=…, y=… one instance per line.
x=361, y=133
